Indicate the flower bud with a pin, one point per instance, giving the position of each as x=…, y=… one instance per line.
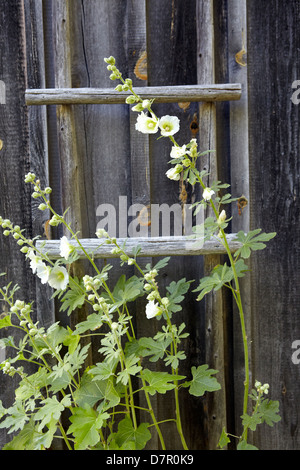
x=130, y=99
x=138, y=108
x=110, y=60
x=101, y=233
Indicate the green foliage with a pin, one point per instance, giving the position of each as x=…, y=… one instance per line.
x=203, y=381
x=74, y=297
x=267, y=411
x=85, y=426
x=100, y=400
x=129, y=438
x=175, y=295
x=160, y=382
x=221, y=275
x=252, y=241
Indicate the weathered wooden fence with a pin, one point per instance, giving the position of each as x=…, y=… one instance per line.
x=226, y=69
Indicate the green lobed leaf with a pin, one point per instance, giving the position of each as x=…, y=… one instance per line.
x=252, y=241
x=251, y=421
x=51, y=410
x=155, y=349
x=176, y=292
x=224, y=439
x=243, y=445
x=5, y=322
x=203, y=381
x=161, y=264
x=86, y=423
x=103, y=370
x=92, y=391
x=131, y=368
x=159, y=382
x=269, y=410
x=3, y=410
x=93, y=322
x=74, y=297
x=30, y=386
x=127, y=290
x=71, y=341
x=127, y=435
x=25, y=439
x=16, y=418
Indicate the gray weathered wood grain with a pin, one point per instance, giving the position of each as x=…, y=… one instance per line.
x=215, y=309
x=150, y=247
x=161, y=94
x=274, y=203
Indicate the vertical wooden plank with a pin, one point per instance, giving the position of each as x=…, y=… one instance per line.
x=214, y=310
x=52, y=130
x=239, y=158
x=171, y=48
x=223, y=130
x=101, y=132
x=140, y=174
x=73, y=194
x=15, y=200
x=38, y=139
x=274, y=138
x=71, y=168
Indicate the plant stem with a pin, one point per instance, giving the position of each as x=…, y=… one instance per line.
x=238, y=299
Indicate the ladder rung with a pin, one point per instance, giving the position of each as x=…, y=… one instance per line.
x=150, y=247
x=167, y=94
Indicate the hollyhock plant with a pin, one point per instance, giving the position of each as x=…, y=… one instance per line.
x=94, y=404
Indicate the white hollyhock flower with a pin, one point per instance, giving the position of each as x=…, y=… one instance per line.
x=58, y=278
x=34, y=259
x=146, y=124
x=169, y=125
x=43, y=271
x=152, y=309
x=207, y=194
x=66, y=249
x=174, y=173
x=178, y=152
